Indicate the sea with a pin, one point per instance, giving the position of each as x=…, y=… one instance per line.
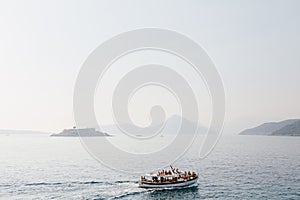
x=37, y=166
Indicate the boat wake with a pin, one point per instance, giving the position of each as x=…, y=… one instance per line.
x=155, y=191
x=68, y=183
x=121, y=189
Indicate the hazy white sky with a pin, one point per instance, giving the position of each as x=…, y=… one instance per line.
x=254, y=44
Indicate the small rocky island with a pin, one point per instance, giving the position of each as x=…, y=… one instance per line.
x=290, y=127
x=82, y=132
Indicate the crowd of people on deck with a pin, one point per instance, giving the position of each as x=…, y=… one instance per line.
x=164, y=173
x=175, y=175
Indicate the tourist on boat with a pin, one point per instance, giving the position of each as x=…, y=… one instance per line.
x=193, y=174
x=185, y=176
x=175, y=179
x=173, y=170
x=161, y=179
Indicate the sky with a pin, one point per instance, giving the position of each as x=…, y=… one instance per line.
x=255, y=46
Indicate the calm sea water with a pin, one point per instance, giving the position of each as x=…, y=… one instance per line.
x=240, y=167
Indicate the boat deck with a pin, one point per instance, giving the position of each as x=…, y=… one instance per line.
x=169, y=184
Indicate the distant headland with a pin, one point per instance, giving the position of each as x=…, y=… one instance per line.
x=290, y=127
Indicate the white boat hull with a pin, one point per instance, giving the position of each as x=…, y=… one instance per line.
x=169, y=185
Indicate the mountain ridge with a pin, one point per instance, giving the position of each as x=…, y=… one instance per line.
x=171, y=127
x=289, y=130
x=271, y=128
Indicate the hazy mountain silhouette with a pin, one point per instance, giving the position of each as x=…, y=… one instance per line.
x=289, y=130
x=268, y=128
x=172, y=125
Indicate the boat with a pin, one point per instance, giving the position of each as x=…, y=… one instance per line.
x=169, y=179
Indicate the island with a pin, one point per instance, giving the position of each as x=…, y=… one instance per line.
x=82, y=132
x=290, y=127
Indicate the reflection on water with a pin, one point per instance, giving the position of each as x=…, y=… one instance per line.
x=184, y=193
